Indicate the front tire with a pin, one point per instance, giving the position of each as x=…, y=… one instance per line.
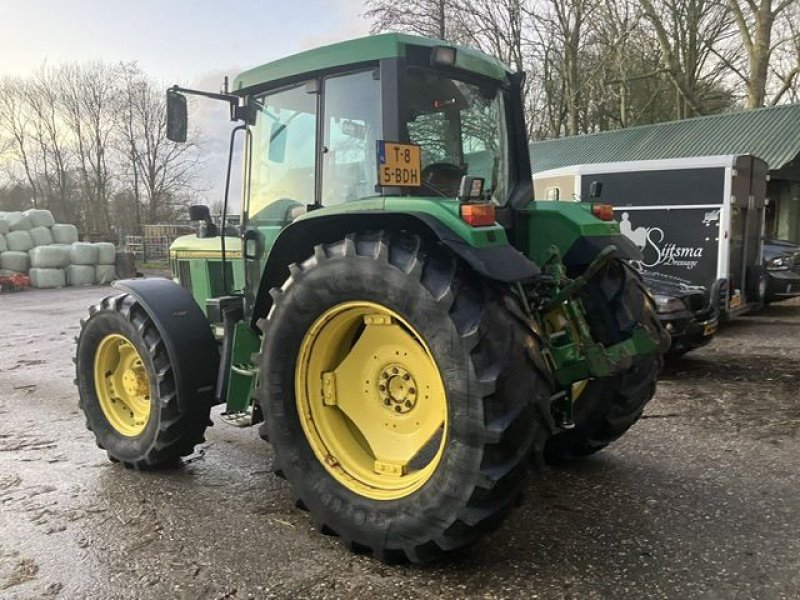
x=127, y=388
x=356, y=326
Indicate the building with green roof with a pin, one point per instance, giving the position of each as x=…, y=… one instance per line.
x=772, y=134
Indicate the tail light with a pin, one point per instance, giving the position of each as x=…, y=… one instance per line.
x=604, y=212
x=478, y=215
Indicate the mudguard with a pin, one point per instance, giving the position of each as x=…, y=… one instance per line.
x=501, y=262
x=190, y=344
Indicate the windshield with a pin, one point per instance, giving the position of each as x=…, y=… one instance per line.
x=461, y=130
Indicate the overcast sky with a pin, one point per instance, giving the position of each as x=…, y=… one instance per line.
x=172, y=39
x=191, y=42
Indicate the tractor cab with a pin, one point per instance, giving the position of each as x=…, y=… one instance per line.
x=389, y=120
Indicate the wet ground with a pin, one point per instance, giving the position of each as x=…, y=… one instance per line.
x=700, y=499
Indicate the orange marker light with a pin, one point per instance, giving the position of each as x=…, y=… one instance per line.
x=604, y=212
x=478, y=215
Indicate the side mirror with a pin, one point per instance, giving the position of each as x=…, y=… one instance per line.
x=199, y=212
x=177, y=119
x=595, y=189
x=207, y=228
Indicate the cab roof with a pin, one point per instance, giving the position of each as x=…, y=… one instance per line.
x=365, y=49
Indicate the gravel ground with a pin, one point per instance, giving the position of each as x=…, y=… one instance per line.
x=700, y=499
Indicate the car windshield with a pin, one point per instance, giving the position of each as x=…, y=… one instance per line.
x=461, y=130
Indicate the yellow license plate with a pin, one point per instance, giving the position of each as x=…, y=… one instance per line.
x=709, y=329
x=399, y=165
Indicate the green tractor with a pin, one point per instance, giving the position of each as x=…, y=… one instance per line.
x=409, y=327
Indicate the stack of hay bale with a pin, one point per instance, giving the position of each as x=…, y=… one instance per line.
x=32, y=243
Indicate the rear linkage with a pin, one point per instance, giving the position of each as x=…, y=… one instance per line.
x=557, y=317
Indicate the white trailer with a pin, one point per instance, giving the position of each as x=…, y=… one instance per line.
x=698, y=221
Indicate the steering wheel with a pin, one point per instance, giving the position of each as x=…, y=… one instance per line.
x=444, y=178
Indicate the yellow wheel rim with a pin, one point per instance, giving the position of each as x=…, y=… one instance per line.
x=122, y=385
x=371, y=400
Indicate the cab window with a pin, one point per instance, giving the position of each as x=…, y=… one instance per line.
x=283, y=153
x=352, y=126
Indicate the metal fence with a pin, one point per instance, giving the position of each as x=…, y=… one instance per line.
x=154, y=244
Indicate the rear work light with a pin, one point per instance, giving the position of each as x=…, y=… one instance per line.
x=604, y=212
x=478, y=215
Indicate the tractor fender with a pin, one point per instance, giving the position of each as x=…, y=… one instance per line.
x=586, y=248
x=296, y=242
x=193, y=352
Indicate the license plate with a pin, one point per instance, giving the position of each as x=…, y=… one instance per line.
x=399, y=165
x=709, y=329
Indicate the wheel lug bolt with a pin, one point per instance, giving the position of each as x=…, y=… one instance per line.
x=406, y=376
x=387, y=402
x=382, y=388
x=408, y=404
x=398, y=408
x=412, y=391
x=394, y=370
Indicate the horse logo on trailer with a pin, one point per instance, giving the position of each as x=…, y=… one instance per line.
x=657, y=250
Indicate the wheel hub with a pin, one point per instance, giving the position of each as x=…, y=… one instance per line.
x=122, y=385
x=397, y=389
x=134, y=381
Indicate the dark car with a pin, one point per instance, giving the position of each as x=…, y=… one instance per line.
x=687, y=313
x=782, y=262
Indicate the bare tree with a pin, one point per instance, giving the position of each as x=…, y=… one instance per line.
x=89, y=95
x=430, y=18
x=688, y=33
x=755, y=22
x=15, y=125
x=159, y=169
x=42, y=95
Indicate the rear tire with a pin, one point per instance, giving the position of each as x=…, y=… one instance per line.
x=496, y=401
x=606, y=409
x=162, y=430
x=615, y=304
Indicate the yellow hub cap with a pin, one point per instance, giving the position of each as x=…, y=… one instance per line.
x=122, y=385
x=371, y=400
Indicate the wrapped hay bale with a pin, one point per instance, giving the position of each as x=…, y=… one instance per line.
x=18, y=222
x=80, y=274
x=40, y=218
x=3, y=245
x=19, y=241
x=105, y=273
x=83, y=253
x=41, y=236
x=106, y=253
x=47, y=278
x=19, y=262
x=3, y=226
x=50, y=257
x=64, y=233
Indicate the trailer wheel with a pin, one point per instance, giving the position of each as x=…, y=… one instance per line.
x=397, y=397
x=605, y=408
x=756, y=282
x=127, y=388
